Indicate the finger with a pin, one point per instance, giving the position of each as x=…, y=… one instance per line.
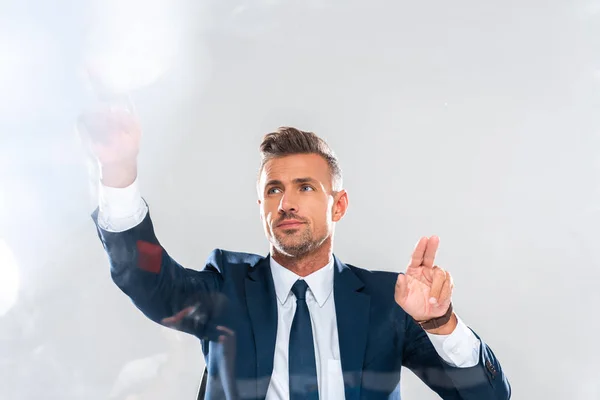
x=447, y=289
x=126, y=122
x=418, y=253
x=225, y=329
x=439, y=276
x=172, y=320
x=430, y=251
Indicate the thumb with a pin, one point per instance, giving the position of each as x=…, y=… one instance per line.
x=401, y=286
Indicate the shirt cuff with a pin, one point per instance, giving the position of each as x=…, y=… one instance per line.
x=120, y=209
x=460, y=348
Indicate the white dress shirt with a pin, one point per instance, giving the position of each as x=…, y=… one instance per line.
x=123, y=208
x=319, y=298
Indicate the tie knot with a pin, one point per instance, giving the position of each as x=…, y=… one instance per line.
x=299, y=289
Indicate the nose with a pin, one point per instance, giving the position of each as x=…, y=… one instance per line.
x=288, y=203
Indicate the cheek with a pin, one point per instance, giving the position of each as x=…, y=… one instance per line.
x=329, y=209
x=266, y=217
x=323, y=215
x=328, y=213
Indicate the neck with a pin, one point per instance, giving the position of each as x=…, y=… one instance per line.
x=305, y=264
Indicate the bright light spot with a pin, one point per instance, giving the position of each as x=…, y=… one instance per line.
x=9, y=279
x=131, y=43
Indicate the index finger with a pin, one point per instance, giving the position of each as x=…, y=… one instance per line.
x=418, y=253
x=430, y=251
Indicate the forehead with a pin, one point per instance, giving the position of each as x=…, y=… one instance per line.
x=295, y=166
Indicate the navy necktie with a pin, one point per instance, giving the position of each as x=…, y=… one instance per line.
x=302, y=365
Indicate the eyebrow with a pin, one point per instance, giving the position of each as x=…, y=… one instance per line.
x=296, y=181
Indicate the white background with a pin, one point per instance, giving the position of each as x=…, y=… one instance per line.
x=475, y=121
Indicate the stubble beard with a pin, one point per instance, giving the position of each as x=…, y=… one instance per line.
x=298, y=247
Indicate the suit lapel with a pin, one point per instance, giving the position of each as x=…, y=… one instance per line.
x=352, y=312
x=262, y=307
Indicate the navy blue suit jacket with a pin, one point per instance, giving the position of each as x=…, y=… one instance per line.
x=236, y=290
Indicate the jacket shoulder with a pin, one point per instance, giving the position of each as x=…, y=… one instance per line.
x=377, y=282
x=221, y=259
x=372, y=275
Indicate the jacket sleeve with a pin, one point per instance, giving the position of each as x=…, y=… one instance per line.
x=163, y=290
x=485, y=380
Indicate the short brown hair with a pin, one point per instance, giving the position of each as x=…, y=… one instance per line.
x=288, y=141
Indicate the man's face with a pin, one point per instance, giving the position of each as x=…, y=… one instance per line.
x=297, y=206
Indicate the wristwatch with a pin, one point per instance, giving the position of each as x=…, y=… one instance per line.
x=434, y=323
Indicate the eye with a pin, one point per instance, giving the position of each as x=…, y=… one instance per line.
x=307, y=186
x=270, y=191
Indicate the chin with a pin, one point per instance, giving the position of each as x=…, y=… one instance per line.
x=293, y=253
x=291, y=248
x=289, y=245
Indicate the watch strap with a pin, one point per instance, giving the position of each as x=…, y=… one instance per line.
x=434, y=323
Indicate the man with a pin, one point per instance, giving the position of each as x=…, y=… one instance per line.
x=297, y=323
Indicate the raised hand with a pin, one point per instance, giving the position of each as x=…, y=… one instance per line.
x=112, y=133
x=113, y=136
x=424, y=291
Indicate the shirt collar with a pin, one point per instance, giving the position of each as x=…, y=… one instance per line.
x=319, y=282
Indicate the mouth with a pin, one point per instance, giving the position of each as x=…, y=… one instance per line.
x=290, y=224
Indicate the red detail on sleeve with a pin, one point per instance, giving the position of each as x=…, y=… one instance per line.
x=149, y=256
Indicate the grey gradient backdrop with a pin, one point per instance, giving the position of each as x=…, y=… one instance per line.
x=474, y=121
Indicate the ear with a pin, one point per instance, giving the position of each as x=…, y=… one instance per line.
x=340, y=206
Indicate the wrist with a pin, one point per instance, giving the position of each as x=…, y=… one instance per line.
x=443, y=323
x=445, y=329
x=118, y=175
